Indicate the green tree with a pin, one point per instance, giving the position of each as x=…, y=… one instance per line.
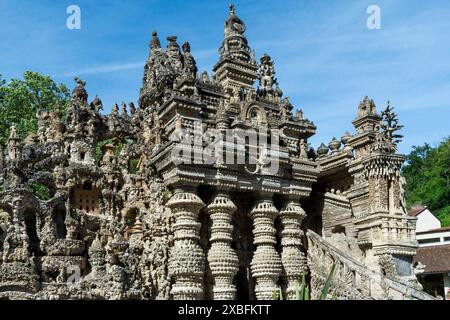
x=20, y=99
x=427, y=173
x=40, y=191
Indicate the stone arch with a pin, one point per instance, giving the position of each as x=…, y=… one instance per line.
x=59, y=216
x=254, y=109
x=30, y=217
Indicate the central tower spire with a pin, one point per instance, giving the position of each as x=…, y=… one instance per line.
x=234, y=43
x=237, y=66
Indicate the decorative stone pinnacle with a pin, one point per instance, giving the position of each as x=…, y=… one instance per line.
x=232, y=9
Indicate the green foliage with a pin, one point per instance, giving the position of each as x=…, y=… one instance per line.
x=101, y=201
x=327, y=286
x=427, y=173
x=20, y=99
x=134, y=166
x=444, y=215
x=303, y=293
x=41, y=191
x=166, y=195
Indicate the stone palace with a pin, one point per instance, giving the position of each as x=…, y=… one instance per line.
x=136, y=212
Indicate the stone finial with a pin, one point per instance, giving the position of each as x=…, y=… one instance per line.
x=235, y=44
x=253, y=57
x=366, y=108
x=186, y=47
x=97, y=104
x=345, y=141
x=172, y=42
x=322, y=151
x=124, y=109
x=190, y=65
x=155, y=44
x=132, y=108
x=80, y=93
x=232, y=9
x=204, y=77
x=334, y=146
x=115, y=108
x=299, y=115
x=173, y=53
x=346, y=137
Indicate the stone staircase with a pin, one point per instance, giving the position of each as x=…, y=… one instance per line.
x=352, y=280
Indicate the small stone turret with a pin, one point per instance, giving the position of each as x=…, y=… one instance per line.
x=366, y=124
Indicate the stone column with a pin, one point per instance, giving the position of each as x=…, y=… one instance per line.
x=187, y=260
x=222, y=259
x=266, y=263
x=293, y=259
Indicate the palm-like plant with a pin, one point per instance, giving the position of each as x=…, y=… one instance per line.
x=304, y=292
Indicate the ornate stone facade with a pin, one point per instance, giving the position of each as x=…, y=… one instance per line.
x=129, y=216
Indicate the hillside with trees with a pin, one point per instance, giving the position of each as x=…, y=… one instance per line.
x=427, y=173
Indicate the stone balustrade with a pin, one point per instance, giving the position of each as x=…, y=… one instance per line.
x=352, y=280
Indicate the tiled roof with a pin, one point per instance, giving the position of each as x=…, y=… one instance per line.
x=435, y=258
x=416, y=211
x=435, y=230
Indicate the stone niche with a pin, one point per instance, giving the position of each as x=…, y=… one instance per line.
x=82, y=153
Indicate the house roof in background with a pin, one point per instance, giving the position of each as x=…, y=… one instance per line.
x=435, y=258
x=434, y=230
x=416, y=211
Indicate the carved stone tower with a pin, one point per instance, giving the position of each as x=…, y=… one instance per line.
x=237, y=66
x=366, y=125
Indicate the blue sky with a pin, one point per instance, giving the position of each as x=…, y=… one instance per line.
x=326, y=58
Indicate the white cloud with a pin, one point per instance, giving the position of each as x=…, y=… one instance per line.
x=105, y=69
